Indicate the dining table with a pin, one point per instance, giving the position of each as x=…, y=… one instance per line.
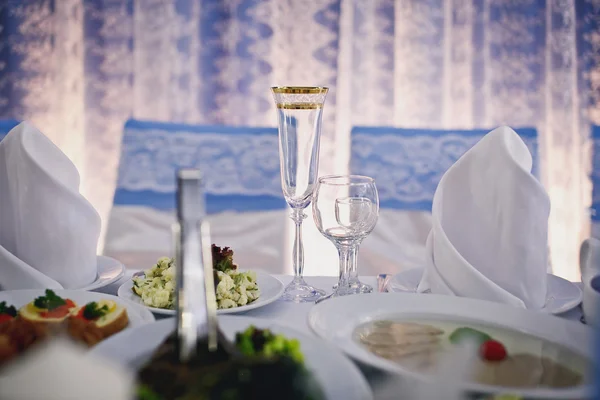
x=295, y=315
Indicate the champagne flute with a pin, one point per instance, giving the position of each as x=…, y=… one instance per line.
x=299, y=112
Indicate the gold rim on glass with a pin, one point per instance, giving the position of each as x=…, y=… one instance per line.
x=299, y=106
x=299, y=89
x=346, y=180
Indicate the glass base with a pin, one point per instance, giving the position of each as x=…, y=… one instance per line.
x=355, y=287
x=299, y=291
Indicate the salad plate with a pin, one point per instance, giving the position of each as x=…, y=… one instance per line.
x=561, y=297
x=529, y=354
x=271, y=289
x=109, y=271
x=337, y=375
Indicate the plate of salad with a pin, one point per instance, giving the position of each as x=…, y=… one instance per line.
x=236, y=290
x=251, y=351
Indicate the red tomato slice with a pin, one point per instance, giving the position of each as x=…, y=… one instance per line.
x=5, y=318
x=60, y=311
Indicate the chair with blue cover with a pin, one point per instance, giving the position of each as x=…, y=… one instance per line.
x=595, y=177
x=241, y=177
x=6, y=125
x=407, y=165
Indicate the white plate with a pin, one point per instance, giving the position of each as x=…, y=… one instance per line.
x=109, y=271
x=338, y=376
x=137, y=315
x=561, y=297
x=270, y=287
x=335, y=320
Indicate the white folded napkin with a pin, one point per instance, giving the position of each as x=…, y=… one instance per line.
x=490, y=226
x=48, y=231
x=60, y=370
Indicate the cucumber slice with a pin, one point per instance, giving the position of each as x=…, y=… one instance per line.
x=469, y=334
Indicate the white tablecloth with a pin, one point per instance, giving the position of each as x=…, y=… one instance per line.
x=295, y=315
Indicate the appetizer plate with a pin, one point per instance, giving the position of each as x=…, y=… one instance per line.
x=109, y=271
x=338, y=376
x=270, y=287
x=561, y=297
x=336, y=321
x=137, y=315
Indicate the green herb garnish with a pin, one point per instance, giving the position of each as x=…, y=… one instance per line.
x=145, y=393
x=255, y=341
x=6, y=309
x=92, y=311
x=469, y=334
x=50, y=301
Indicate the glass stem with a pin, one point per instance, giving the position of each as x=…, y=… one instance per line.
x=298, y=252
x=347, y=255
x=353, y=272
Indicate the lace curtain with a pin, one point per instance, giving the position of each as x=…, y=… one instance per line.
x=79, y=68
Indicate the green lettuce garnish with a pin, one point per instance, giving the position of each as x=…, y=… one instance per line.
x=50, y=301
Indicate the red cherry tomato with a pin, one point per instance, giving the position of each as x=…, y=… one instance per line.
x=492, y=350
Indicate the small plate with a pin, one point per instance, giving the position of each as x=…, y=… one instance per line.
x=561, y=297
x=338, y=376
x=137, y=315
x=270, y=287
x=109, y=271
x=335, y=320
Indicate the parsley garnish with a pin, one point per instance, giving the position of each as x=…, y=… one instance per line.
x=50, y=301
x=92, y=311
x=6, y=309
x=145, y=393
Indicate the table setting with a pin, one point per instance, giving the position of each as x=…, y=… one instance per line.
x=481, y=318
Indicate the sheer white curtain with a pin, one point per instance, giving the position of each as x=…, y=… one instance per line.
x=79, y=68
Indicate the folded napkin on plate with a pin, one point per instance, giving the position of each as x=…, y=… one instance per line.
x=490, y=226
x=61, y=370
x=48, y=231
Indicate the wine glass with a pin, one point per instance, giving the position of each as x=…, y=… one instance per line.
x=345, y=210
x=299, y=112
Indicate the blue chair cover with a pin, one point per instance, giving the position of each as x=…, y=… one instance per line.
x=240, y=165
x=242, y=183
x=595, y=217
x=595, y=177
x=6, y=125
x=407, y=164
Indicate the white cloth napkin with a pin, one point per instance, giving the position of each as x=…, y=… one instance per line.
x=490, y=226
x=60, y=370
x=48, y=231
